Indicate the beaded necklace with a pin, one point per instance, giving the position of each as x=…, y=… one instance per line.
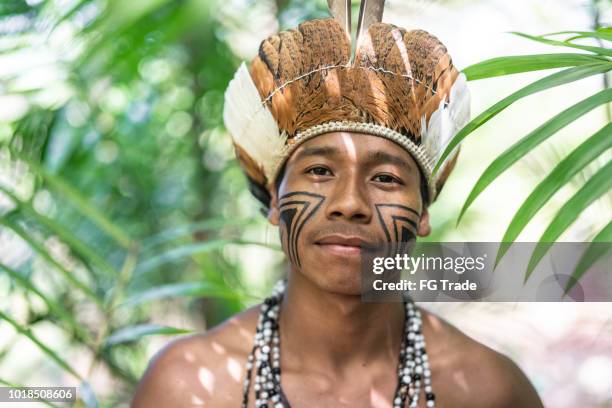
x=265, y=358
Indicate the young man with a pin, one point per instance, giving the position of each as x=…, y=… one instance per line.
x=341, y=152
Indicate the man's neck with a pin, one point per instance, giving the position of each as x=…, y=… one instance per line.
x=334, y=332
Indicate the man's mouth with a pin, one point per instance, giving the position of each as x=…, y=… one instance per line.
x=342, y=245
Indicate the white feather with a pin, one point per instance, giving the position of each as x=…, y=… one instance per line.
x=446, y=121
x=250, y=122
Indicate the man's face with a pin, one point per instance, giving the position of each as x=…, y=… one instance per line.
x=340, y=191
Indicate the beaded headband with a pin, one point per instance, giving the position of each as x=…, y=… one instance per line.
x=400, y=85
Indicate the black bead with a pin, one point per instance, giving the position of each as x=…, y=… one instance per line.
x=271, y=305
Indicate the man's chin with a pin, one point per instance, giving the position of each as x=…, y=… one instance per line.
x=336, y=277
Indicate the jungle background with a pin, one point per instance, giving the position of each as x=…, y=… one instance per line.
x=125, y=220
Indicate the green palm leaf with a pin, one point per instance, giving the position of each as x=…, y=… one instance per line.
x=591, y=255
x=529, y=142
x=589, y=48
x=193, y=249
x=526, y=63
x=53, y=306
x=551, y=81
x=81, y=203
x=588, y=151
x=45, y=349
x=134, y=333
x=596, y=186
x=183, y=289
x=179, y=252
x=42, y=251
x=212, y=224
x=601, y=34
x=84, y=252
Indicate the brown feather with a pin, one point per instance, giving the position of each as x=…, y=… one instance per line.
x=397, y=77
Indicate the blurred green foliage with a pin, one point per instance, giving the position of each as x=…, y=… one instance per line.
x=117, y=175
x=117, y=185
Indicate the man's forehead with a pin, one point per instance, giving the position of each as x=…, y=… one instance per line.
x=356, y=147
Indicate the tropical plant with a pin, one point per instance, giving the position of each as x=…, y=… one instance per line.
x=595, y=61
x=115, y=188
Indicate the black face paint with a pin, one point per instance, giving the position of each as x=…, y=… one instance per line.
x=398, y=222
x=295, y=209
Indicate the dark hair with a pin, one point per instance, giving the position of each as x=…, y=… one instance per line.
x=262, y=194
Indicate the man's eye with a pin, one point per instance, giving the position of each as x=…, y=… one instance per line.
x=386, y=178
x=319, y=171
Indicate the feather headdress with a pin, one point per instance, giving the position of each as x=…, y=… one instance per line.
x=305, y=82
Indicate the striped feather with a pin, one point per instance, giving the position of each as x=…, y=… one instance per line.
x=250, y=123
x=446, y=121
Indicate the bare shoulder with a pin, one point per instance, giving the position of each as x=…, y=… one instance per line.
x=206, y=368
x=468, y=373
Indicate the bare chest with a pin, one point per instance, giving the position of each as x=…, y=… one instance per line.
x=359, y=391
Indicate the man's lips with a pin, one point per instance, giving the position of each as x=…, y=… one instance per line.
x=342, y=244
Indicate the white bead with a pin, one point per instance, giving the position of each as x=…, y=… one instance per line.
x=267, y=340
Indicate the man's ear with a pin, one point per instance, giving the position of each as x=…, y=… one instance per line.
x=424, y=227
x=273, y=215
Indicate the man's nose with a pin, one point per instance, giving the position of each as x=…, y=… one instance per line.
x=349, y=200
